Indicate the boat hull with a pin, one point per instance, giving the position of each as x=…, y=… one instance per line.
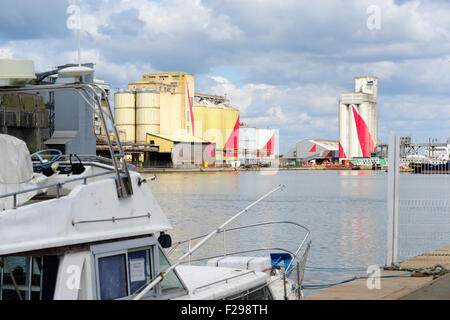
x=431, y=168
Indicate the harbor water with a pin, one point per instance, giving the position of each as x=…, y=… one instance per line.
x=345, y=211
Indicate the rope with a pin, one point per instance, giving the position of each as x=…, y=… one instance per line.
x=329, y=285
x=435, y=271
x=404, y=275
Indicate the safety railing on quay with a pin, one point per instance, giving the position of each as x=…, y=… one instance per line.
x=418, y=198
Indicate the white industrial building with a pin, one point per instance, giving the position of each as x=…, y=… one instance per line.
x=316, y=150
x=358, y=120
x=257, y=145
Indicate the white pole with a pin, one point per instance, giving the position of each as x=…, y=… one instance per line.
x=160, y=277
x=396, y=199
x=79, y=46
x=392, y=200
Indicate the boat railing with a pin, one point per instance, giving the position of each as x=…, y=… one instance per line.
x=191, y=240
x=60, y=184
x=90, y=158
x=295, y=268
x=93, y=94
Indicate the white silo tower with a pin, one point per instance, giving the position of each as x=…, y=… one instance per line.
x=358, y=119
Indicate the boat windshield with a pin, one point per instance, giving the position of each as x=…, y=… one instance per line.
x=28, y=278
x=171, y=283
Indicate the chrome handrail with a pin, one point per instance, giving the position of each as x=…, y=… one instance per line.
x=90, y=158
x=244, y=251
x=298, y=258
x=308, y=232
x=58, y=185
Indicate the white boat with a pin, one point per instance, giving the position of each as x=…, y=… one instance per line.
x=93, y=230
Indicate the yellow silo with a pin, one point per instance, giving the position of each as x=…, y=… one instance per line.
x=125, y=115
x=177, y=113
x=147, y=114
x=230, y=121
x=214, y=127
x=174, y=88
x=200, y=122
x=171, y=110
x=165, y=113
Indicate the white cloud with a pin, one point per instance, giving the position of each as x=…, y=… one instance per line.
x=6, y=52
x=292, y=58
x=167, y=18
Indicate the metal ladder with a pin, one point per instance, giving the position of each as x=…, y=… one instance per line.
x=123, y=182
x=92, y=94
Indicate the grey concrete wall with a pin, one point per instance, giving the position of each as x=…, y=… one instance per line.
x=73, y=113
x=24, y=120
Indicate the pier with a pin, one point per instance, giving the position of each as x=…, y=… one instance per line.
x=431, y=284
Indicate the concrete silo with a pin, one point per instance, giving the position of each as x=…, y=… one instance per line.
x=214, y=130
x=147, y=114
x=358, y=123
x=201, y=124
x=125, y=115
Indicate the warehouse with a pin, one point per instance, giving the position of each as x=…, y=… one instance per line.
x=316, y=151
x=179, y=151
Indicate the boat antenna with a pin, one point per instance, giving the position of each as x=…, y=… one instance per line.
x=79, y=43
x=161, y=276
x=74, y=23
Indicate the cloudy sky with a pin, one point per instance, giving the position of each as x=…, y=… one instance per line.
x=282, y=63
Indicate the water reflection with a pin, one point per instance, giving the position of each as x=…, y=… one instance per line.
x=345, y=211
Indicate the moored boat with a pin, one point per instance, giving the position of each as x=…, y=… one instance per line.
x=89, y=228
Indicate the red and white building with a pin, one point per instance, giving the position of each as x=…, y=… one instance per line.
x=358, y=120
x=257, y=145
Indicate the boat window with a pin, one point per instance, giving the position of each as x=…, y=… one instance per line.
x=14, y=278
x=171, y=281
x=121, y=271
x=125, y=267
x=28, y=278
x=112, y=277
x=140, y=269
